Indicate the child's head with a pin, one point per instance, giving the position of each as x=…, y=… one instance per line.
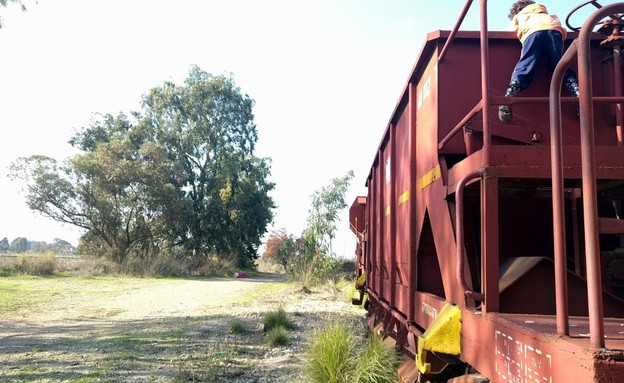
x=518, y=6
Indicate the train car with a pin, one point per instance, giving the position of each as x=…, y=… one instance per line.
x=491, y=251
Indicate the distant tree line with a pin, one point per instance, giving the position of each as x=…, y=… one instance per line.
x=177, y=178
x=23, y=245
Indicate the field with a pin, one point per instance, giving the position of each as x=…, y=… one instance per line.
x=122, y=329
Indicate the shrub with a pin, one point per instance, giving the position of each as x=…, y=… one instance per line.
x=278, y=336
x=44, y=264
x=274, y=319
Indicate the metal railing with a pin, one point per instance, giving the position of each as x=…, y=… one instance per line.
x=580, y=48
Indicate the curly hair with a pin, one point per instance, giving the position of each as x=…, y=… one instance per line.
x=518, y=6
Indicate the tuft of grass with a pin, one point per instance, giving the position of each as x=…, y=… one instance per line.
x=337, y=355
x=331, y=353
x=376, y=363
x=275, y=319
x=237, y=327
x=278, y=336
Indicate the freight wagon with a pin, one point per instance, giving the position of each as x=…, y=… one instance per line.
x=491, y=251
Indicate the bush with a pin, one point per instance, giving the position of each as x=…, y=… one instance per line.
x=311, y=269
x=44, y=264
x=276, y=319
x=278, y=336
x=336, y=355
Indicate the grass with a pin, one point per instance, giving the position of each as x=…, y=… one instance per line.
x=275, y=319
x=376, y=363
x=183, y=349
x=237, y=327
x=331, y=353
x=278, y=336
x=337, y=355
x=24, y=293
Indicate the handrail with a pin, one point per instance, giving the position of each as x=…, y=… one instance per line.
x=458, y=24
x=499, y=100
x=459, y=235
x=485, y=82
x=588, y=171
x=461, y=124
x=556, y=160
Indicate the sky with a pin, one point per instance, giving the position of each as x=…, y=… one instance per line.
x=325, y=76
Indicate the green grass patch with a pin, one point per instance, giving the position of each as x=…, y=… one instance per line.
x=237, y=327
x=274, y=319
x=336, y=354
x=19, y=293
x=331, y=354
x=278, y=336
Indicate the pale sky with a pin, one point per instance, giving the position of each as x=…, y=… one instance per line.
x=325, y=75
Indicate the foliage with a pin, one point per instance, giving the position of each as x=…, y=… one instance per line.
x=282, y=248
x=310, y=258
x=314, y=259
x=327, y=203
x=19, y=245
x=36, y=265
x=278, y=336
x=331, y=354
x=4, y=245
x=336, y=354
x=179, y=177
x=274, y=319
x=237, y=327
x=376, y=363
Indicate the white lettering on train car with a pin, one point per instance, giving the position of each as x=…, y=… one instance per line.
x=517, y=362
x=424, y=93
x=430, y=311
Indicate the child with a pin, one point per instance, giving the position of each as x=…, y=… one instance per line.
x=540, y=34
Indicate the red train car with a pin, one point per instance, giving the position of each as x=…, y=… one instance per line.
x=490, y=251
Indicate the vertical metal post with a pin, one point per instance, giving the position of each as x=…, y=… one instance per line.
x=489, y=243
x=485, y=82
x=617, y=79
x=558, y=201
x=590, y=208
x=413, y=267
x=392, y=216
x=381, y=223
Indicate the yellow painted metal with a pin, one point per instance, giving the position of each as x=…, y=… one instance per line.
x=404, y=197
x=361, y=280
x=429, y=177
x=443, y=335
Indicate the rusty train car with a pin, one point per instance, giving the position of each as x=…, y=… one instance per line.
x=490, y=251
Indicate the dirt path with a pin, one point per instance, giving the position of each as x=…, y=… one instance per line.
x=168, y=330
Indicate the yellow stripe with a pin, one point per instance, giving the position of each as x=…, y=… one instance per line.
x=388, y=211
x=429, y=177
x=404, y=197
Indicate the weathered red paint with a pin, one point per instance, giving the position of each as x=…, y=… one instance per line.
x=533, y=238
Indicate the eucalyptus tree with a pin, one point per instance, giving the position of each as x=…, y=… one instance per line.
x=207, y=128
x=180, y=174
